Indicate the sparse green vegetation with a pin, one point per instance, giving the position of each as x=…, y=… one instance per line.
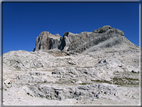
x=134, y=71
x=102, y=81
x=125, y=81
x=132, y=48
x=45, y=81
x=126, y=78
x=111, y=51
x=17, y=68
x=68, y=59
x=29, y=94
x=83, y=83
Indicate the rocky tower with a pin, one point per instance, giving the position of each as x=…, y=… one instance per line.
x=103, y=37
x=46, y=41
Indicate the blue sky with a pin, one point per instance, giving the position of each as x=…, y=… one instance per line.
x=23, y=22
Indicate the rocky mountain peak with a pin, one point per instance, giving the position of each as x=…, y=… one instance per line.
x=107, y=29
x=103, y=37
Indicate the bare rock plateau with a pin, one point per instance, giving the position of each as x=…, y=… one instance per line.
x=101, y=67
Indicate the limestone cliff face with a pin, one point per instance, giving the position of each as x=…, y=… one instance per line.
x=103, y=37
x=46, y=41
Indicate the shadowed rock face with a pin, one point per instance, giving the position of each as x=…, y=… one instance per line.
x=103, y=37
x=46, y=41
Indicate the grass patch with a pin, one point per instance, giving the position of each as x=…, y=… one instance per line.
x=131, y=79
x=102, y=81
x=125, y=81
x=68, y=58
x=83, y=83
x=126, y=78
x=120, y=81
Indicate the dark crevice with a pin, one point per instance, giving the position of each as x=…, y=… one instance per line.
x=63, y=43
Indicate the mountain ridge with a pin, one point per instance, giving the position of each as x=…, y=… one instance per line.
x=81, y=42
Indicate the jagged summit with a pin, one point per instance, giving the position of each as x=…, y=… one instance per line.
x=103, y=37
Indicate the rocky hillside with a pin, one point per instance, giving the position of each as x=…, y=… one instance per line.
x=85, y=68
x=103, y=37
